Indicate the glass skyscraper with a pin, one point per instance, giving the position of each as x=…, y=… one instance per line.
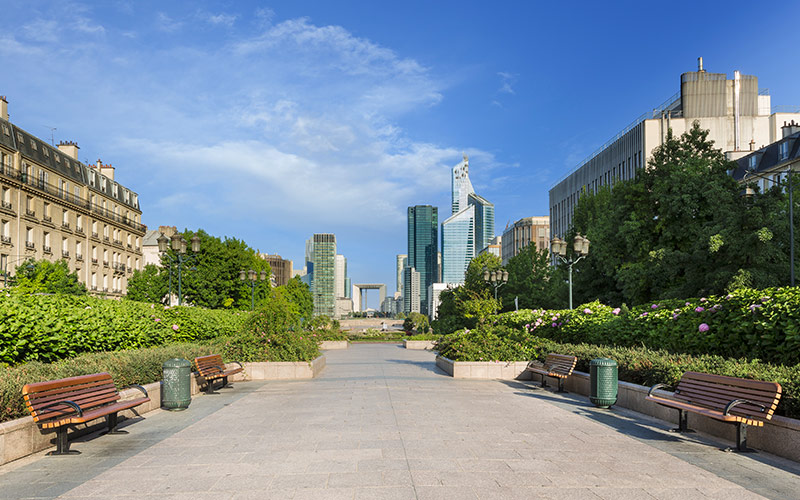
x=484, y=221
x=323, y=277
x=423, y=245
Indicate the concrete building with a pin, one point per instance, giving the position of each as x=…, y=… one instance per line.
x=423, y=243
x=54, y=207
x=495, y=247
x=340, y=276
x=522, y=233
x=433, y=299
x=411, y=295
x=736, y=112
x=344, y=307
x=402, y=260
x=322, y=278
x=770, y=165
x=282, y=270
x=468, y=230
x=359, y=296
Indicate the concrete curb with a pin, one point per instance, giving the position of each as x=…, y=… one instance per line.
x=419, y=344
x=484, y=370
x=333, y=344
x=22, y=437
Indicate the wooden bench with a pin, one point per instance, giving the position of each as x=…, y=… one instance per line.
x=738, y=401
x=58, y=404
x=558, y=366
x=212, y=368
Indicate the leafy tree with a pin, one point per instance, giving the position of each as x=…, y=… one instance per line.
x=473, y=278
x=148, y=285
x=533, y=281
x=44, y=276
x=300, y=294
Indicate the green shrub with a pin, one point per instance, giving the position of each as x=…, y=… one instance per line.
x=489, y=343
x=272, y=334
x=423, y=336
x=137, y=366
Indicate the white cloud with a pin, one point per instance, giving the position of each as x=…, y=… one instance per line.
x=221, y=19
x=167, y=24
x=506, y=83
x=41, y=30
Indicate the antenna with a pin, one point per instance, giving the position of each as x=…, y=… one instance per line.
x=52, y=136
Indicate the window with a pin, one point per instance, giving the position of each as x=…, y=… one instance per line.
x=78, y=248
x=752, y=162
x=94, y=228
x=105, y=231
x=115, y=190
x=94, y=281
x=29, y=204
x=33, y=145
x=46, y=211
x=58, y=158
x=783, y=150
x=65, y=245
x=46, y=242
x=46, y=152
x=94, y=252
x=77, y=195
x=79, y=222
x=5, y=231
x=5, y=197
x=65, y=218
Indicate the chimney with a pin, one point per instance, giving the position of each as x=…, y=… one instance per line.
x=3, y=108
x=700, y=65
x=752, y=145
x=69, y=148
x=790, y=128
x=106, y=170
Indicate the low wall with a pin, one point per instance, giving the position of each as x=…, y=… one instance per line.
x=326, y=345
x=486, y=370
x=779, y=436
x=22, y=437
x=418, y=344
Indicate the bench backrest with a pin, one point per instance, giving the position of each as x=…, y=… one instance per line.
x=209, y=365
x=560, y=363
x=87, y=391
x=717, y=391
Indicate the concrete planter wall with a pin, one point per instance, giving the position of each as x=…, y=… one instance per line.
x=333, y=344
x=780, y=436
x=418, y=344
x=22, y=437
x=485, y=370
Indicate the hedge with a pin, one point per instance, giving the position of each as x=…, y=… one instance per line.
x=751, y=324
x=49, y=328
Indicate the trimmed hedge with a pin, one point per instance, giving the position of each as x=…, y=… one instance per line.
x=751, y=324
x=49, y=328
x=138, y=366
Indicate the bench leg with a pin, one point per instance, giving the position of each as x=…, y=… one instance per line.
x=683, y=419
x=544, y=380
x=210, y=388
x=225, y=383
x=112, y=421
x=62, y=443
x=741, y=440
x=561, y=386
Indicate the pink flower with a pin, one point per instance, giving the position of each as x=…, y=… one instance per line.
x=587, y=311
x=703, y=299
x=728, y=297
x=699, y=309
x=554, y=325
x=654, y=306
x=643, y=315
x=675, y=315
x=175, y=327
x=688, y=304
x=703, y=327
x=157, y=320
x=616, y=311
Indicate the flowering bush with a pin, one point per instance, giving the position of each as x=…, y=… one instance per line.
x=489, y=343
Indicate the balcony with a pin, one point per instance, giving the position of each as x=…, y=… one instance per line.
x=65, y=254
x=47, y=249
x=79, y=229
x=65, y=225
x=30, y=213
x=129, y=246
x=6, y=204
x=79, y=256
x=118, y=242
x=105, y=238
x=105, y=289
x=5, y=239
x=105, y=263
x=30, y=245
x=94, y=235
x=94, y=288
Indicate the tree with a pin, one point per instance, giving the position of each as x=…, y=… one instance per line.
x=300, y=294
x=44, y=276
x=533, y=282
x=473, y=278
x=148, y=285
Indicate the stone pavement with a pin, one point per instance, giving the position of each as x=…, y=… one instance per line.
x=383, y=422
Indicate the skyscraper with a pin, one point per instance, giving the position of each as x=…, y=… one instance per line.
x=340, y=276
x=402, y=259
x=468, y=230
x=411, y=293
x=323, y=278
x=423, y=244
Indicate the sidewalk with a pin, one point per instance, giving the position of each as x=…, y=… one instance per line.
x=383, y=422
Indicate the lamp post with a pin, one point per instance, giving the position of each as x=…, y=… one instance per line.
x=252, y=278
x=750, y=192
x=581, y=249
x=178, y=245
x=496, y=279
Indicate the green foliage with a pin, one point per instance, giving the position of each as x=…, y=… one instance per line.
x=137, y=366
x=533, y=281
x=473, y=278
x=423, y=336
x=148, y=285
x=44, y=276
x=323, y=328
x=489, y=343
x=48, y=328
x=300, y=294
x=416, y=322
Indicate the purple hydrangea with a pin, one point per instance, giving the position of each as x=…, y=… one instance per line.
x=703, y=327
x=654, y=306
x=699, y=309
x=587, y=311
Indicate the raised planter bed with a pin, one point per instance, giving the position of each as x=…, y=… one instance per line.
x=333, y=344
x=484, y=370
x=22, y=437
x=418, y=344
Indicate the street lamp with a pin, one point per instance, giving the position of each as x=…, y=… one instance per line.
x=252, y=278
x=496, y=279
x=581, y=249
x=178, y=245
x=749, y=192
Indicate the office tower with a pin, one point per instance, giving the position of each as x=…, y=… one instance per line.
x=736, y=112
x=308, y=277
x=323, y=279
x=282, y=270
x=423, y=243
x=402, y=259
x=411, y=292
x=484, y=221
x=522, y=233
x=340, y=276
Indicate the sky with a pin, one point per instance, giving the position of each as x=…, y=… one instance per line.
x=271, y=121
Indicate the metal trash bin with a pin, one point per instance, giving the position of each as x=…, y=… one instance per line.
x=176, y=387
x=603, y=382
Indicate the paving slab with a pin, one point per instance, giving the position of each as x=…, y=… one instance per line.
x=384, y=422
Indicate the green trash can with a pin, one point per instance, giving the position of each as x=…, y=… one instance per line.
x=176, y=387
x=603, y=381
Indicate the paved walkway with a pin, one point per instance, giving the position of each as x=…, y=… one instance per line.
x=383, y=422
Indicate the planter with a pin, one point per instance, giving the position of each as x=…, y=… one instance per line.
x=22, y=437
x=484, y=370
x=333, y=344
x=418, y=344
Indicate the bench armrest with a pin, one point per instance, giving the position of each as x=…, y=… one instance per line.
x=64, y=402
x=735, y=402
x=657, y=386
x=137, y=386
x=240, y=365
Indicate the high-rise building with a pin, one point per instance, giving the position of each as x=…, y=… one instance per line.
x=522, y=233
x=468, y=230
x=411, y=292
x=54, y=207
x=308, y=277
x=282, y=270
x=323, y=277
x=433, y=299
x=340, y=276
x=402, y=259
x=423, y=243
x=737, y=114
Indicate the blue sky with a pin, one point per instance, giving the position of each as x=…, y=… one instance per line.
x=270, y=121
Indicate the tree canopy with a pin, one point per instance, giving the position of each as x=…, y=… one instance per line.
x=44, y=276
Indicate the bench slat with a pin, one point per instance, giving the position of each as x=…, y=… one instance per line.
x=725, y=390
